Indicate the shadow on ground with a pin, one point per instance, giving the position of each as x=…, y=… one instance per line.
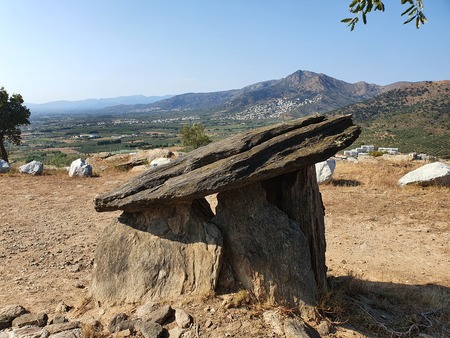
x=345, y=183
x=388, y=309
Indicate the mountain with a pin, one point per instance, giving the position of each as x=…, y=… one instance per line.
x=412, y=117
x=301, y=93
x=91, y=104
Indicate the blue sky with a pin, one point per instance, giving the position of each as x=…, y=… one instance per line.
x=79, y=49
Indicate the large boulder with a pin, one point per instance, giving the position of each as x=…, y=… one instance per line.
x=4, y=167
x=80, y=168
x=32, y=168
x=160, y=253
x=325, y=170
x=436, y=173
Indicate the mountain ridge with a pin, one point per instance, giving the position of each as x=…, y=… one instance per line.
x=298, y=94
x=91, y=104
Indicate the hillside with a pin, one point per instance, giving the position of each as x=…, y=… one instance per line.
x=299, y=94
x=415, y=117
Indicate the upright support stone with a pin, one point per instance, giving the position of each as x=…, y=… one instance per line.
x=297, y=194
x=274, y=237
x=164, y=252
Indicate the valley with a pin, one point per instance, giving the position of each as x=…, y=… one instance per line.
x=413, y=117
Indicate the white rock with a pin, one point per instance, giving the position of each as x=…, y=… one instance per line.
x=4, y=167
x=176, y=332
x=80, y=168
x=325, y=170
x=182, y=318
x=145, y=309
x=160, y=161
x=151, y=154
x=139, y=168
x=436, y=173
x=274, y=320
x=32, y=168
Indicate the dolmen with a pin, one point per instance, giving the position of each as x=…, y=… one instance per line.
x=267, y=234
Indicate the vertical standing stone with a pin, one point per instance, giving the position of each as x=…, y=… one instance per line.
x=297, y=194
x=164, y=252
x=274, y=237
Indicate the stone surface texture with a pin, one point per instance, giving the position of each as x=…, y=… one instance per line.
x=270, y=240
x=28, y=319
x=239, y=160
x=9, y=313
x=161, y=253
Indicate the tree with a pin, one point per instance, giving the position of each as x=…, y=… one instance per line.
x=193, y=136
x=363, y=7
x=12, y=115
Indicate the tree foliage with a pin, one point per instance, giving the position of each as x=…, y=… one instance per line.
x=194, y=136
x=12, y=115
x=362, y=7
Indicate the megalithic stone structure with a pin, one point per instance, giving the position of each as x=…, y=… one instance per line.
x=268, y=230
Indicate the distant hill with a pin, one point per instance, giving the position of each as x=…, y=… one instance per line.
x=299, y=94
x=91, y=104
x=414, y=117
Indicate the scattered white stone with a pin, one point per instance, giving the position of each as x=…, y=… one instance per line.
x=176, y=332
x=160, y=315
x=80, y=168
x=436, y=173
x=152, y=154
x=4, y=167
x=295, y=328
x=160, y=161
x=62, y=307
x=139, y=168
x=145, y=309
x=274, y=320
x=32, y=168
x=182, y=318
x=325, y=170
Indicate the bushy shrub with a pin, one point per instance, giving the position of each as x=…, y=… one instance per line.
x=59, y=159
x=377, y=153
x=194, y=136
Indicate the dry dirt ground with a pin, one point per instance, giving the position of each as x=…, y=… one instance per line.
x=376, y=232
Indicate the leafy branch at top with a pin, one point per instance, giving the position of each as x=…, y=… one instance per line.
x=362, y=7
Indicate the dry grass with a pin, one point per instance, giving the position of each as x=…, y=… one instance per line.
x=388, y=309
x=396, y=239
x=374, y=185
